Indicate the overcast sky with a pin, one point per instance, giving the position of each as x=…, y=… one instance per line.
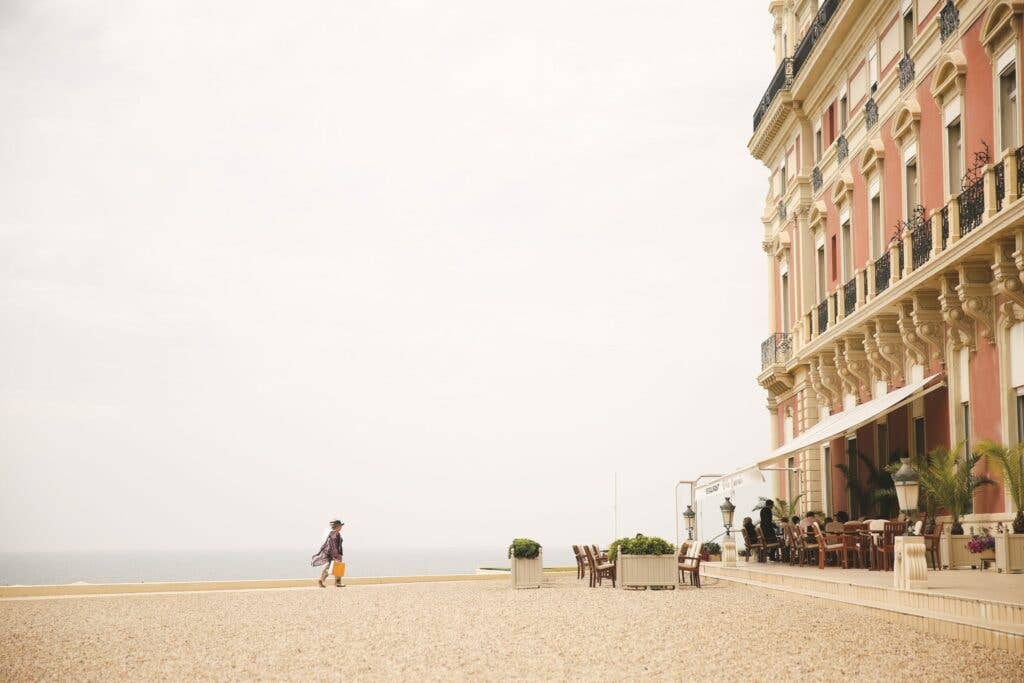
x=440, y=268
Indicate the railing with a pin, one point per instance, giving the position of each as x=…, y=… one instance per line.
x=850, y=296
x=972, y=205
x=816, y=179
x=882, y=273
x=814, y=31
x=775, y=349
x=906, y=72
x=1000, y=184
x=790, y=66
x=782, y=210
x=842, y=149
x=1020, y=171
x=949, y=20
x=783, y=78
x=899, y=248
x=920, y=245
x=823, y=316
x=870, y=113
x=945, y=225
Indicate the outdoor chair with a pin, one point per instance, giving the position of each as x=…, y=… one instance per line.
x=854, y=543
x=931, y=545
x=825, y=548
x=768, y=547
x=598, y=555
x=885, y=547
x=599, y=570
x=689, y=564
x=802, y=551
x=752, y=544
x=581, y=562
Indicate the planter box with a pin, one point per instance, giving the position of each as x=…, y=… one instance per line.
x=1010, y=552
x=633, y=571
x=960, y=556
x=527, y=573
x=714, y=558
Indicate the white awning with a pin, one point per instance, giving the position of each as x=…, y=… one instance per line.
x=856, y=417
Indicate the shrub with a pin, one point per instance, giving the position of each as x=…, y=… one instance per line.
x=712, y=548
x=524, y=549
x=640, y=545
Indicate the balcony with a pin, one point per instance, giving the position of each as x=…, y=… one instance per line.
x=949, y=20
x=775, y=349
x=790, y=66
x=906, y=67
x=882, y=273
x=850, y=296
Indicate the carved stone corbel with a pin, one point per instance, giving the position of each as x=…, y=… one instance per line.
x=823, y=395
x=975, y=291
x=879, y=365
x=890, y=345
x=961, y=331
x=927, y=314
x=917, y=348
x=1007, y=281
x=829, y=377
x=848, y=379
x=857, y=364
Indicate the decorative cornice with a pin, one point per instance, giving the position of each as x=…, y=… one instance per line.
x=975, y=291
x=961, y=331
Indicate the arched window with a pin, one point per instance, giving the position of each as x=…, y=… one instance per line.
x=948, y=90
x=999, y=35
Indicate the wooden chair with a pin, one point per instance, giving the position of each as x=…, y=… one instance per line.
x=885, y=547
x=825, y=548
x=931, y=545
x=599, y=570
x=752, y=544
x=689, y=564
x=853, y=544
x=581, y=562
x=802, y=551
x=768, y=547
x=598, y=555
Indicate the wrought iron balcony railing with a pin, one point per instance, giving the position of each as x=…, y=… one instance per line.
x=920, y=245
x=906, y=72
x=783, y=78
x=1020, y=171
x=972, y=205
x=882, y=273
x=945, y=225
x=850, y=296
x=775, y=349
x=949, y=20
x=870, y=113
x=842, y=148
x=823, y=316
x=816, y=179
x=999, y=170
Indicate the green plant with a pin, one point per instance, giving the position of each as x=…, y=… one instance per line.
x=640, y=545
x=950, y=480
x=524, y=549
x=781, y=509
x=712, y=548
x=874, y=493
x=1011, y=463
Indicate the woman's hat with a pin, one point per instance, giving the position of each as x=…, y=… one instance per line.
x=338, y=522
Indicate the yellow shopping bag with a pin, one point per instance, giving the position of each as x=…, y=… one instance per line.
x=338, y=569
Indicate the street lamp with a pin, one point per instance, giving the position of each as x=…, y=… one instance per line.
x=727, y=509
x=907, y=489
x=690, y=518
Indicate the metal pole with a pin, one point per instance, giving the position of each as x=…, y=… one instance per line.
x=693, y=490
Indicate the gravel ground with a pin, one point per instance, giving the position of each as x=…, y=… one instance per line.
x=474, y=630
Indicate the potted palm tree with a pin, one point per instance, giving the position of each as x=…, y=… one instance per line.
x=873, y=492
x=950, y=480
x=644, y=561
x=527, y=563
x=1010, y=461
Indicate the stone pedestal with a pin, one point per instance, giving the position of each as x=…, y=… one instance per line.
x=1009, y=552
x=910, y=569
x=728, y=551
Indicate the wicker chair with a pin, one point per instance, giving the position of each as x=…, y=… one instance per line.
x=599, y=570
x=826, y=548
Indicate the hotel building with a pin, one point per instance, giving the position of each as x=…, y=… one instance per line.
x=894, y=239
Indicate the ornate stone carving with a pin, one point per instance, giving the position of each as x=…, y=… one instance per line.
x=849, y=381
x=880, y=369
x=910, y=570
x=857, y=366
x=927, y=314
x=975, y=291
x=917, y=348
x=822, y=394
x=961, y=332
x=829, y=376
x=890, y=345
x=1006, y=277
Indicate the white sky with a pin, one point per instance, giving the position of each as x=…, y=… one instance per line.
x=440, y=268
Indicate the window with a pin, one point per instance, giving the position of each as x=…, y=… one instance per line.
x=877, y=231
x=920, y=447
x=910, y=180
x=821, y=273
x=835, y=250
x=882, y=439
x=873, y=69
x=909, y=30
x=793, y=484
x=1008, y=106
x=954, y=156
x=1020, y=418
x=844, y=112
x=827, y=464
x=817, y=144
x=782, y=179
x=853, y=464
x=847, y=251
x=785, y=302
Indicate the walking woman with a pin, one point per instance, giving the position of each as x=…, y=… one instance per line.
x=330, y=551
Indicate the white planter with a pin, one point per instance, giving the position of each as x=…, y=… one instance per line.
x=961, y=556
x=633, y=571
x=1010, y=552
x=527, y=573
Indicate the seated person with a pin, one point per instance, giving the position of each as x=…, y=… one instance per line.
x=795, y=520
x=748, y=526
x=842, y=517
x=806, y=522
x=832, y=526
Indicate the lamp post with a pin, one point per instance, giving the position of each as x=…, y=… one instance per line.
x=909, y=565
x=690, y=517
x=728, y=544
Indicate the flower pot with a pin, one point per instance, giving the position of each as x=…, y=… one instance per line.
x=714, y=558
x=634, y=571
x=961, y=556
x=1010, y=552
x=1018, y=522
x=527, y=572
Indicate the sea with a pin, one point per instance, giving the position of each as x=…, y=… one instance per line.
x=31, y=568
